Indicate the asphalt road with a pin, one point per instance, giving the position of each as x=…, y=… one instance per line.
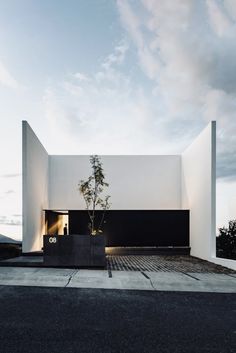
x=68, y=320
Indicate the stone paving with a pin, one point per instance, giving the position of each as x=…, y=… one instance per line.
x=125, y=272
x=156, y=263
x=122, y=280
x=152, y=263
x=132, y=272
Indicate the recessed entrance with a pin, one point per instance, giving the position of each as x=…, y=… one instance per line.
x=57, y=222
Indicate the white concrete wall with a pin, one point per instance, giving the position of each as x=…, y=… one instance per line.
x=136, y=182
x=198, y=192
x=35, y=189
x=224, y=262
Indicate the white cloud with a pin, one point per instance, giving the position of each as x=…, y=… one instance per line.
x=10, y=197
x=193, y=45
x=133, y=23
x=80, y=76
x=230, y=7
x=13, y=175
x=100, y=116
x=219, y=21
x=6, y=79
x=105, y=113
x=12, y=221
x=187, y=50
x=117, y=57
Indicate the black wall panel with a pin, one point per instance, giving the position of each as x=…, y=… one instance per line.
x=138, y=227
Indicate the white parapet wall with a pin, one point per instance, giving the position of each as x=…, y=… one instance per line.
x=186, y=181
x=35, y=189
x=135, y=182
x=51, y=182
x=199, y=190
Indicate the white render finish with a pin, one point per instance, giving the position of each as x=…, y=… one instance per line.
x=224, y=262
x=184, y=181
x=198, y=192
x=136, y=182
x=35, y=189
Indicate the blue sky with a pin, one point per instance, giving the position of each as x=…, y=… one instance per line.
x=53, y=37
x=122, y=77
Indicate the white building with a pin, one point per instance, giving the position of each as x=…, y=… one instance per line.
x=153, y=182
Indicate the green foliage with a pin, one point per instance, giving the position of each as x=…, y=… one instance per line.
x=226, y=241
x=92, y=190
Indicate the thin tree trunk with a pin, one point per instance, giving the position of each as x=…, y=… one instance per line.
x=102, y=219
x=94, y=204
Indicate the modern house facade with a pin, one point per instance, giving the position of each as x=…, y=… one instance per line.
x=137, y=183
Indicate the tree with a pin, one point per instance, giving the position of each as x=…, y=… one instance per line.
x=92, y=190
x=226, y=241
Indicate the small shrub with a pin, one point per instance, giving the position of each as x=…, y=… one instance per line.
x=226, y=241
x=8, y=251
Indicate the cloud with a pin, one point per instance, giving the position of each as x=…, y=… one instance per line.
x=13, y=175
x=219, y=20
x=230, y=7
x=80, y=76
x=183, y=75
x=117, y=57
x=10, y=221
x=107, y=113
x=104, y=113
x=104, y=116
x=8, y=192
x=133, y=24
x=6, y=79
x=193, y=47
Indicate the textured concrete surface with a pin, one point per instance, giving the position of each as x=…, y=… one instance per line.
x=139, y=280
x=163, y=263
x=70, y=320
x=193, y=282
x=153, y=263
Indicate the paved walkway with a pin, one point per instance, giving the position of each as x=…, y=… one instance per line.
x=113, y=279
x=156, y=263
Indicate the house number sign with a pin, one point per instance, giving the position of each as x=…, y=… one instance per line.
x=52, y=240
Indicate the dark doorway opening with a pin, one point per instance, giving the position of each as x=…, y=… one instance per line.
x=57, y=222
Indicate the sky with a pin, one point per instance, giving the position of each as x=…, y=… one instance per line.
x=116, y=77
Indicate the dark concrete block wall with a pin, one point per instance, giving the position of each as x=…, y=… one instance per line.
x=74, y=250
